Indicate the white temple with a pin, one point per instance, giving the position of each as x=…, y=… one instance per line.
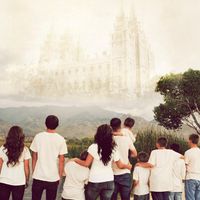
x=126, y=69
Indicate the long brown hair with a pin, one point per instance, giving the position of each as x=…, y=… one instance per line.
x=14, y=145
x=104, y=140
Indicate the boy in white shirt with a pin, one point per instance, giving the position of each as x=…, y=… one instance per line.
x=127, y=130
x=141, y=179
x=192, y=160
x=122, y=177
x=48, y=149
x=76, y=178
x=161, y=161
x=179, y=172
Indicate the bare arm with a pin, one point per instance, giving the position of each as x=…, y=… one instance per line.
x=27, y=170
x=121, y=165
x=34, y=160
x=85, y=163
x=133, y=153
x=1, y=164
x=145, y=165
x=61, y=165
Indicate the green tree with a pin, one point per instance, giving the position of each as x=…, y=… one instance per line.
x=181, y=105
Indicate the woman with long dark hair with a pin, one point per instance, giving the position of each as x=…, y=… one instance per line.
x=101, y=154
x=14, y=165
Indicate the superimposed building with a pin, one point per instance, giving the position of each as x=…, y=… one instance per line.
x=126, y=69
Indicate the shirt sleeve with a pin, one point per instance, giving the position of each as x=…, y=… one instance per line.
x=186, y=157
x=92, y=150
x=2, y=154
x=33, y=146
x=27, y=154
x=152, y=158
x=116, y=156
x=135, y=174
x=183, y=172
x=63, y=148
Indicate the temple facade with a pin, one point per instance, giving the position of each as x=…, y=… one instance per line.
x=126, y=69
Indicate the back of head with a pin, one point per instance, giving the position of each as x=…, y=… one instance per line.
x=52, y=122
x=104, y=140
x=175, y=147
x=162, y=141
x=194, y=139
x=143, y=157
x=115, y=123
x=14, y=145
x=129, y=122
x=84, y=155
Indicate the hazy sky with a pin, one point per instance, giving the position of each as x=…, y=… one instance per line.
x=171, y=26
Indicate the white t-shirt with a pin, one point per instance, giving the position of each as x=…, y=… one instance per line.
x=192, y=160
x=179, y=171
x=76, y=177
x=124, y=144
x=13, y=175
x=99, y=172
x=129, y=133
x=142, y=176
x=161, y=178
x=48, y=147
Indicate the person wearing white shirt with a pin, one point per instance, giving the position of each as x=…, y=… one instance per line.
x=48, y=149
x=179, y=172
x=192, y=160
x=127, y=129
x=101, y=154
x=161, y=162
x=141, y=179
x=14, y=165
x=122, y=177
x=76, y=179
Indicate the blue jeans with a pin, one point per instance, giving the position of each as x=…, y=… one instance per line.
x=192, y=189
x=104, y=190
x=175, y=196
x=142, y=197
x=123, y=185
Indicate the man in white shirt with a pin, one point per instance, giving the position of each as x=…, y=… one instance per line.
x=161, y=161
x=192, y=160
x=48, y=149
x=179, y=172
x=76, y=178
x=127, y=130
x=122, y=177
x=141, y=179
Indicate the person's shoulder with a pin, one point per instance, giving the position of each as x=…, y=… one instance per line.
x=2, y=149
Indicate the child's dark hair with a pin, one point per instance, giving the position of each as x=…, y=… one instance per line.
x=175, y=147
x=162, y=141
x=84, y=155
x=52, y=122
x=115, y=123
x=194, y=138
x=129, y=122
x=143, y=157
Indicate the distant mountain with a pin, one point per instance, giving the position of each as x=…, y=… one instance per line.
x=74, y=121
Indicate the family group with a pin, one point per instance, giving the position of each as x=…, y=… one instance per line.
x=102, y=171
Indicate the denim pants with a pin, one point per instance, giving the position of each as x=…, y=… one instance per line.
x=123, y=185
x=160, y=195
x=104, y=190
x=39, y=186
x=17, y=192
x=175, y=196
x=192, y=189
x=142, y=197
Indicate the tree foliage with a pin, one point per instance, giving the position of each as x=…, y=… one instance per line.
x=181, y=105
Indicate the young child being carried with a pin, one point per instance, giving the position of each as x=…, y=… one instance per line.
x=141, y=178
x=127, y=129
